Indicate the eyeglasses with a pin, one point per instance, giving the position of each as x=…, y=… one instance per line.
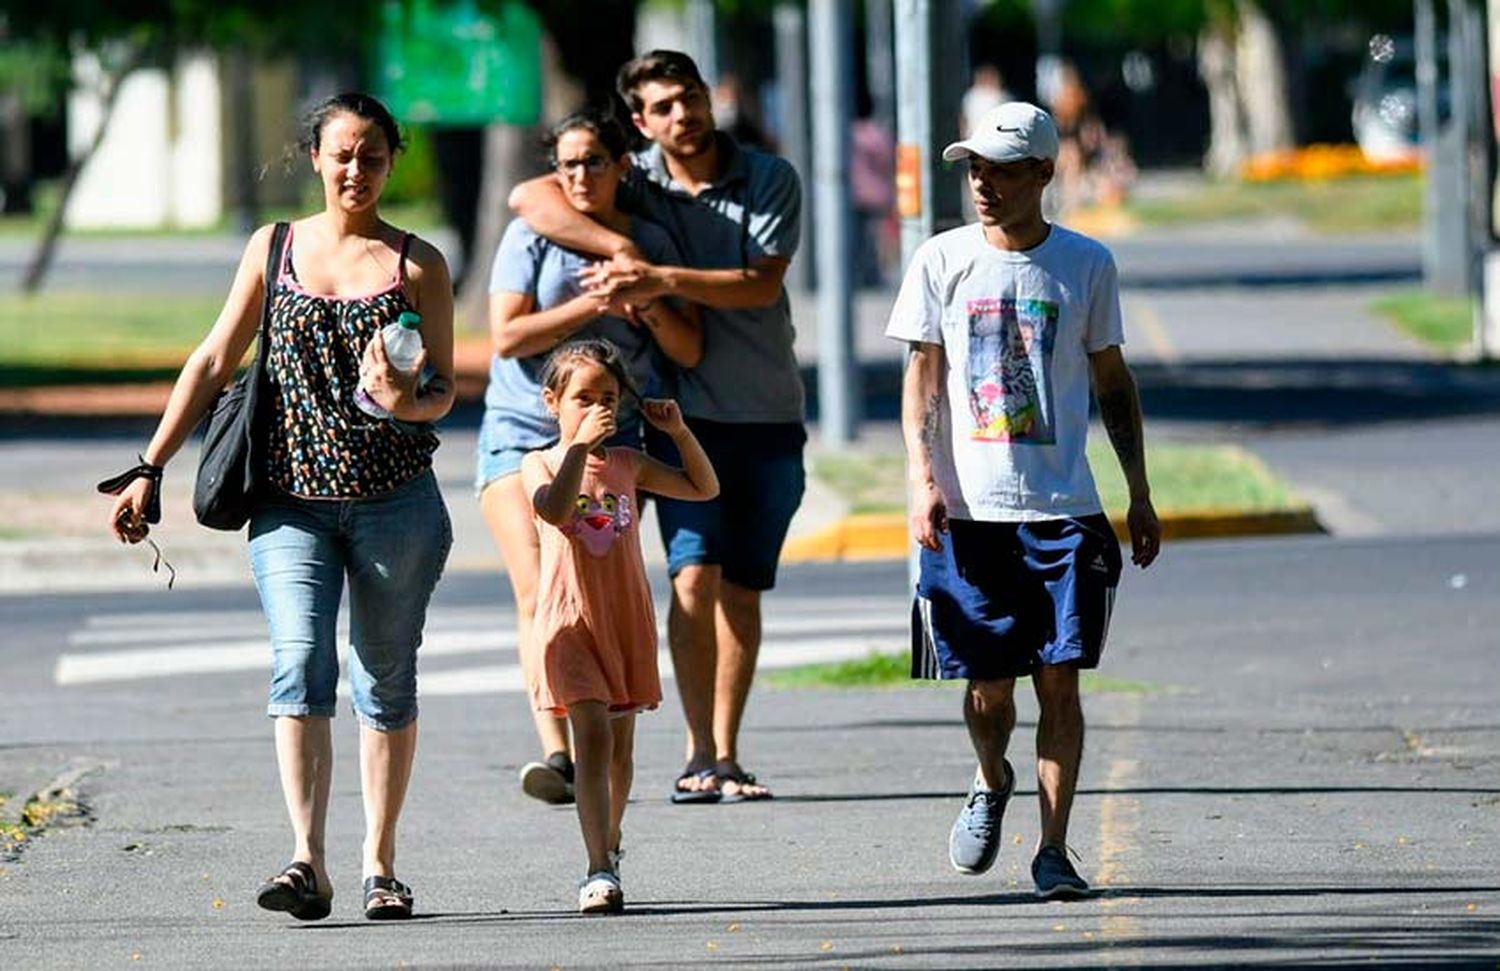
x=591, y=164
x=161, y=561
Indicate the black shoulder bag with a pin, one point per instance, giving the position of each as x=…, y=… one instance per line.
x=232, y=463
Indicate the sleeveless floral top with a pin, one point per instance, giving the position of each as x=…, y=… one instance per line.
x=321, y=445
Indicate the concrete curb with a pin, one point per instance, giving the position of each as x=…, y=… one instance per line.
x=884, y=536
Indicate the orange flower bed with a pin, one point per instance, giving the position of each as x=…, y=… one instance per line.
x=1322, y=162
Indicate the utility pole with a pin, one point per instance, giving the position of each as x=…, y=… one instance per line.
x=830, y=41
x=703, y=33
x=880, y=62
x=929, y=87
x=1468, y=78
x=791, y=75
x=1433, y=196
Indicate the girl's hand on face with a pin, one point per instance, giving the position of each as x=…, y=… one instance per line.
x=664, y=413
x=597, y=424
x=388, y=385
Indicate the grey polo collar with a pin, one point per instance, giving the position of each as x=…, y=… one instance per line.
x=731, y=160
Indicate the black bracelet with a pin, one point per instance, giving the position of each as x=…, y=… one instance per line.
x=114, y=485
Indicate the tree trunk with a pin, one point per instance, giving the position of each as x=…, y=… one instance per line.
x=41, y=260
x=507, y=160
x=1216, y=65
x=15, y=154
x=511, y=154
x=1262, y=80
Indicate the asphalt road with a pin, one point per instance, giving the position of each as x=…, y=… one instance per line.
x=1298, y=769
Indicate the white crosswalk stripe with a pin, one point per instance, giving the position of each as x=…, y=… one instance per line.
x=114, y=648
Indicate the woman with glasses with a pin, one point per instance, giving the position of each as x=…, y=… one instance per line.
x=536, y=302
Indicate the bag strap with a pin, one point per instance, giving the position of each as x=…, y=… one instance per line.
x=274, y=257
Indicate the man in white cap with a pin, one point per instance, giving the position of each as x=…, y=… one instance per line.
x=1009, y=323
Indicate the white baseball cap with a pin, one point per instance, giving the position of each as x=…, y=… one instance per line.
x=1008, y=133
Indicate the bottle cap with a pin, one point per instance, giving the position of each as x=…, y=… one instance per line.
x=409, y=319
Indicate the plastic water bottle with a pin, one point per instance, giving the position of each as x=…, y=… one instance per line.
x=403, y=343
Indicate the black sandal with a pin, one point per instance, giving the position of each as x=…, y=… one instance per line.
x=295, y=891
x=387, y=898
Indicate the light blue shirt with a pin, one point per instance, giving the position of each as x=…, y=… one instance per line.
x=532, y=264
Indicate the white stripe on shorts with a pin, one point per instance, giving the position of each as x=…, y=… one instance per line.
x=926, y=665
x=1109, y=609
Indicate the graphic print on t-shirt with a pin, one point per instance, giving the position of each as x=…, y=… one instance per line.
x=596, y=522
x=1009, y=373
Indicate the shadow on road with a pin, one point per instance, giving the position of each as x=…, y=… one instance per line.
x=1317, y=392
x=957, y=793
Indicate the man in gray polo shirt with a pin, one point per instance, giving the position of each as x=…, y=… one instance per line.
x=733, y=213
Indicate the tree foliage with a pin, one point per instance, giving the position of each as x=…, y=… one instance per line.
x=1149, y=21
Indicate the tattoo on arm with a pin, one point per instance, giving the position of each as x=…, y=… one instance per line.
x=931, y=420
x=1117, y=409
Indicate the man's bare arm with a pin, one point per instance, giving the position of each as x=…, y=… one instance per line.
x=540, y=201
x=757, y=285
x=921, y=424
x=1120, y=410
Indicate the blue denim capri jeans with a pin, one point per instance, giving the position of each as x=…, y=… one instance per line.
x=391, y=549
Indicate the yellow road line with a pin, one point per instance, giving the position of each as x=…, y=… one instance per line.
x=1119, y=832
x=1144, y=314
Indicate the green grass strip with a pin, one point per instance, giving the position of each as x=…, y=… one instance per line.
x=99, y=338
x=879, y=670
x=1183, y=478
x=1349, y=205
x=1446, y=323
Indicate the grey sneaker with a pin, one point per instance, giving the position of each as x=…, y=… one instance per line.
x=975, y=838
x=1055, y=877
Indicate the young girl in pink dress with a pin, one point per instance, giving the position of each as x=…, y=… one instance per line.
x=595, y=629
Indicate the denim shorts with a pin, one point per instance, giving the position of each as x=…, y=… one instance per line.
x=391, y=550
x=1000, y=600
x=761, y=481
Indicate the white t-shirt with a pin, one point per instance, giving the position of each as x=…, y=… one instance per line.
x=1016, y=329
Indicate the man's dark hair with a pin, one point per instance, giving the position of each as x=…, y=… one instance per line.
x=656, y=66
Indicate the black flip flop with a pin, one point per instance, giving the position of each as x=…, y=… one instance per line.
x=741, y=778
x=297, y=894
x=689, y=797
x=383, y=888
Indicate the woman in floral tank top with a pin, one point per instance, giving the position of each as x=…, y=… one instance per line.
x=351, y=499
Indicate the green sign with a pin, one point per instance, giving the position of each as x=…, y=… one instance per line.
x=450, y=63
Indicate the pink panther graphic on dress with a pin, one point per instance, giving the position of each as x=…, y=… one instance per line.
x=596, y=522
x=1009, y=370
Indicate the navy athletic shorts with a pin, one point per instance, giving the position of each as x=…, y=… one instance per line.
x=1002, y=599
x=742, y=530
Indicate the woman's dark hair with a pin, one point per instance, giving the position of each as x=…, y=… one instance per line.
x=351, y=103
x=656, y=66
x=601, y=121
x=563, y=361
